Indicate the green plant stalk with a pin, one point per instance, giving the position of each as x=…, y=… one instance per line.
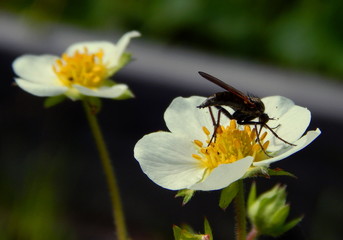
x=240, y=213
x=112, y=184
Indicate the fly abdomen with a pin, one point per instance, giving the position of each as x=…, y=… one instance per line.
x=210, y=101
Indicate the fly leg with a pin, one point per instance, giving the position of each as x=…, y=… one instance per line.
x=263, y=124
x=258, y=132
x=216, y=124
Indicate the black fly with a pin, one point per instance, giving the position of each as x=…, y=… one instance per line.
x=246, y=108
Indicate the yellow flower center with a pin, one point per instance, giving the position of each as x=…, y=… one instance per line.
x=86, y=69
x=230, y=145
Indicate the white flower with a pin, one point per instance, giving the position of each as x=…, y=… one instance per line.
x=84, y=69
x=182, y=158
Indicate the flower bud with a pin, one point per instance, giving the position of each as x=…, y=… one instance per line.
x=269, y=211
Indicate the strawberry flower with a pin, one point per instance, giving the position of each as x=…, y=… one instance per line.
x=184, y=158
x=83, y=70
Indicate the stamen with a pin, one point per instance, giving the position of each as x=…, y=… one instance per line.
x=196, y=156
x=256, y=147
x=233, y=124
x=263, y=136
x=265, y=145
x=247, y=129
x=230, y=145
x=205, y=130
x=198, y=143
x=86, y=69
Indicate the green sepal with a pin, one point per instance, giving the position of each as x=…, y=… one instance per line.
x=94, y=103
x=289, y=225
x=256, y=172
x=187, y=233
x=227, y=195
x=267, y=172
x=281, y=216
x=128, y=94
x=124, y=59
x=252, y=195
x=187, y=195
x=208, y=229
x=52, y=101
x=188, y=228
x=279, y=172
x=177, y=232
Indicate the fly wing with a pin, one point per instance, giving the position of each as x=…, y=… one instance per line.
x=241, y=96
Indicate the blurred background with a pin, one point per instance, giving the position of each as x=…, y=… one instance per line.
x=51, y=181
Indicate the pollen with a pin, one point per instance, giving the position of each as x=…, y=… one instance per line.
x=230, y=144
x=86, y=69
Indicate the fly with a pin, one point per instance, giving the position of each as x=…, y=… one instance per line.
x=246, y=108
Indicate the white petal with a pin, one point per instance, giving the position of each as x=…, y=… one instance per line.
x=182, y=117
x=224, y=175
x=276, y=106
x=292, y=121
x=36, y=69
x=104, y=92
x=167, y=160
x=124, y=42
x=92, y=47
x=112, y=52
x=41, y=90
x=300, y=144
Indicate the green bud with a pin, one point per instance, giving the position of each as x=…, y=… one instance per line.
x=269, y=211
x=187, y=233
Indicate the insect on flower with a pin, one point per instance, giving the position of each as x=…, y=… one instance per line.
x=246, y=109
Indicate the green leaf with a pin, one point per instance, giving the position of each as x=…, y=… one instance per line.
x=52, y=101
x=227, y=195
x=208, y=230
x=187, y=195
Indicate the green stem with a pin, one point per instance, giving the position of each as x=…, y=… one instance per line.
x=113, y=188
x=240, y=212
